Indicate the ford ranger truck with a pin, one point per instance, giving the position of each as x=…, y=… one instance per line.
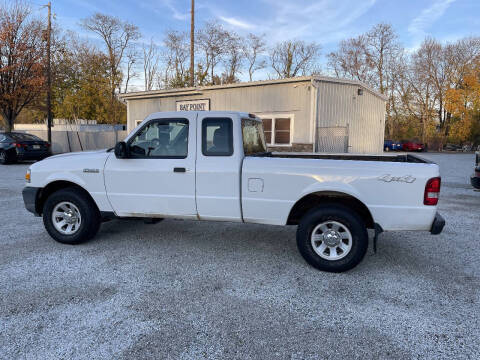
x=215, y=165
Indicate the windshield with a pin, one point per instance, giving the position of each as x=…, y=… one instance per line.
x=253, y=137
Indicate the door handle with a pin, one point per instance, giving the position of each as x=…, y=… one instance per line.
x=179, y=169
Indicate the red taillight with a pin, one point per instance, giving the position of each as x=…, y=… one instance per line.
x=47, y=145
x=432, y=191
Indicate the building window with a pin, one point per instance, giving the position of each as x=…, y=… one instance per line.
x=278, y=129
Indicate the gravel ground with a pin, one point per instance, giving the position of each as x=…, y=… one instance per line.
x=193, y=290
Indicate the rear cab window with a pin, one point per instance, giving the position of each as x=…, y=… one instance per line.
x=253, y=137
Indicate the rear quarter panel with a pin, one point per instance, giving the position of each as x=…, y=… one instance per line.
x=394, y=205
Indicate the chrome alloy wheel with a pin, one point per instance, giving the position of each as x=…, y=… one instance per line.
x=331, y=240
x=66, y=218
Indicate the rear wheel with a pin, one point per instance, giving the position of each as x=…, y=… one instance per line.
x=5, y=158
x=70, y=216
x=332, y=238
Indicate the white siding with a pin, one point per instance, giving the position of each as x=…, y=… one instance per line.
x=364, y=115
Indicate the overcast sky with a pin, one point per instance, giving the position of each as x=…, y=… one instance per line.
x=323, y=21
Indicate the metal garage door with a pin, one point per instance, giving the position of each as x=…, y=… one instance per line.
x=332, y=139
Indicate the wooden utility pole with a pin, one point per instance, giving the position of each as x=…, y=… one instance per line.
x=192, y=45
x=49, y=74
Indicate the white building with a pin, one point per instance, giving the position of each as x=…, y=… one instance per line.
x=300, y=114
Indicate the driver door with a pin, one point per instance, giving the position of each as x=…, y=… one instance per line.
x=158, y=177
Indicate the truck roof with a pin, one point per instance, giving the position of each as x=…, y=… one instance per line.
x=178, y=114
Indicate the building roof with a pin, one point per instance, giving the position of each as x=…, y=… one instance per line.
x=198, y=89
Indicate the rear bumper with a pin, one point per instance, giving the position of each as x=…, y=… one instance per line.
x=30, y=196
x=26, y=155
x=438, y=224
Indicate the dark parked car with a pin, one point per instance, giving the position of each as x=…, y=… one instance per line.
x=475, y=179
x=452, y=147
x=15, y=146
x=412, y=146
x=390, y=145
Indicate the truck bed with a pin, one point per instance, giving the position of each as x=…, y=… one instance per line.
x=391, y=186
x=403, y=158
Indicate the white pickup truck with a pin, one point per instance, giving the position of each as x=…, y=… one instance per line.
x=215, y=166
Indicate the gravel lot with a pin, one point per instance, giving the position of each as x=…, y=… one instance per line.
x=193, y=290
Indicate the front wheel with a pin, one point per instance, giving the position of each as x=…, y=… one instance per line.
x=70, y=216
x=332, y=238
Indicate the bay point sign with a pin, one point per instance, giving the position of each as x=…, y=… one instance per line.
x=193, y=105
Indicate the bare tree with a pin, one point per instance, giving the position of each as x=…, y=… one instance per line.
x=131, y=73
x=434, y=68
x=421, y=91
x=177, y=55
x=253, y=47
x=213, y=42
x=372, y=58
x=351, y=60
x=21, y=67
x=382, y=46
x=233, y=59
x=366, y=57
x=292, y=58
x=117, y=36
x=382, y=51
x=150, y=65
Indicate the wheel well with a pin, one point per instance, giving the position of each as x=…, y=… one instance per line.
x=55, y=186
x=310, y=201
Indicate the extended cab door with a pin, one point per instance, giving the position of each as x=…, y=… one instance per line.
x=219, y=161
x=158, y=178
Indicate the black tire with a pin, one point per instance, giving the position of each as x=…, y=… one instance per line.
x=90, y=216
x=349, y=220
x=4, y=158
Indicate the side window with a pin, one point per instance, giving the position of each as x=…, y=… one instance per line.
x=161, y=139
x=217, y=137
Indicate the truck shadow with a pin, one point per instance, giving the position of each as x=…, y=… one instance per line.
x=219, y=240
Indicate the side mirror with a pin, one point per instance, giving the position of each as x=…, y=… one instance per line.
x=121, y=150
